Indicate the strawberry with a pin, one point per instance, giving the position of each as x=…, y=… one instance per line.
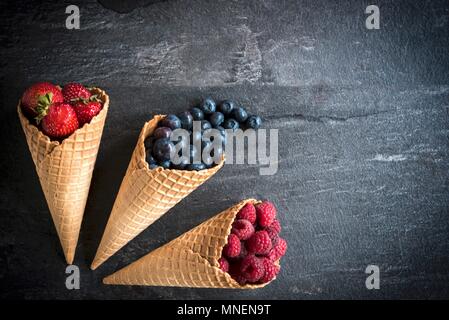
x=73, y=92
x=58, y=120
x=86, y=110
x=40, y=94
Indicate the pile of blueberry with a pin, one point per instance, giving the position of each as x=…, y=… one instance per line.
x=226, y=116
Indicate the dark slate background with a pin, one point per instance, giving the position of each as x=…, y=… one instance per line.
x=363, y=117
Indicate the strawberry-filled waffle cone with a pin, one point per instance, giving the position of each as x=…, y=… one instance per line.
x=63, y=142
x=206, y=256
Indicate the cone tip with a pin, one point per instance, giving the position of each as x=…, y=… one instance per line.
x=94, y=265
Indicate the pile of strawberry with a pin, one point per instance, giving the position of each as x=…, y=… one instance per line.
x=58, y=113
x=254, y=246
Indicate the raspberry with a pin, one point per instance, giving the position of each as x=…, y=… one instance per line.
x=232, y=248
x=252, y=268
x=266, y=213
x=271, y=270
x=278, y=250
x=242, y=229
x=273, y=235
x=259, y=243
x=224, y=264
x=276, y=226
x=248, y=212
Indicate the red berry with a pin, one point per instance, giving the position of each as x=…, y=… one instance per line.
x=85, y=111
x=273, y=235
x=259, y=243
x=43, y=94
x=232, y=248
x=266, y=213
x=278, y=250
x=242, y=229
x=224, y=264
x=248, y=212
x=60, y=121
x=276, y=226
x=243, y=253
x=271, y=270
x=73, y=92
x=252, y=268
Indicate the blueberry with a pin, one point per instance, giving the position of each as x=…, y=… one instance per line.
x=197, y=114
x=254, y=122
x=223, y=134
x=186, y=120
x=162, y=132
x=216, y=119
x=240, y=114
x=226, y=107
x=208, y=106
x=162, y=149
x=231, y=124
x=150, y=158
x=182, y=165
x=171, y=121
x=153, y=166
x=205, y=125
x=179, y=145
x=149, y=143
x=165, y=164
x=196, y=166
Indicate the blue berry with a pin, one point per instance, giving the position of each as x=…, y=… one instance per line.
x=254, y=122
x=226, y=107
x=149, y=143
x=162, y=132
x=205, y=125
x=186, y=120
x=163, y=149
x=196, y=166
x=171, y=121
x=150, y=158
x=231, y=124
x=165, y=164
x=240, y=114
x=153, y=166
x=197, y=114
x=216, y=119
x=223, y=133
x=208, y=106
x=182, y=165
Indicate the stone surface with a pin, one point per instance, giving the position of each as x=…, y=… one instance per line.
x=363, y=119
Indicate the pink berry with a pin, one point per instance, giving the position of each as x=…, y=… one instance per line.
x=242, y=229
x=248, y=212
x=259, y=243
x=266, y=213
x=232, y=248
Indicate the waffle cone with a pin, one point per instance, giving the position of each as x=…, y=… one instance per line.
x=144, y=196
x=191, y=260
x=65, y=171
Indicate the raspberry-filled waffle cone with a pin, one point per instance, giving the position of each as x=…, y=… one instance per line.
x=65, y=170
x=191, y=260
x=145, y=195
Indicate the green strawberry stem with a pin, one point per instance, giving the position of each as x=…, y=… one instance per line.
x=43, y=103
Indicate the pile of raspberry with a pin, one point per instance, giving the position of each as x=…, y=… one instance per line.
x=254, y=246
